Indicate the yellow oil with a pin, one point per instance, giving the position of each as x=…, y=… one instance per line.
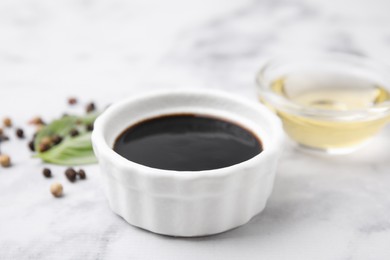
x=330, y=92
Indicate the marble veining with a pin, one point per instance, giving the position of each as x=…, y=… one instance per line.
x=321, y=208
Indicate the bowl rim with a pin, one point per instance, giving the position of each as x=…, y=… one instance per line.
x=285, y=105
x=105, y=150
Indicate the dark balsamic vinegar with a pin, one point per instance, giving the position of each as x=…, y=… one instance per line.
x=187, y=143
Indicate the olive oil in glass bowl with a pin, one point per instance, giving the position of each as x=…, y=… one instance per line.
x=327, y=102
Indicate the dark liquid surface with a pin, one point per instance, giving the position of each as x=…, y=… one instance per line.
x=187, y=143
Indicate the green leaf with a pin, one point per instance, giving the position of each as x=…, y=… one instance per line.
x=59, y=127
x=89, y=118
x=71, y=151
x=63, y=126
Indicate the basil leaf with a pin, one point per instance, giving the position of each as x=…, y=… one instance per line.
x=63, y=126
x=89, y=118
x=71, y=151
x=59, y=127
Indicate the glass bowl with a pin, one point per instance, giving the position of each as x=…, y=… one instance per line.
x=329, y=102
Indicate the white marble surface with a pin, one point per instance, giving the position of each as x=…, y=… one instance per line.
x=321, y=208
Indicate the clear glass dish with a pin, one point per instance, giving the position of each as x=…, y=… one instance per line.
x=329, y=102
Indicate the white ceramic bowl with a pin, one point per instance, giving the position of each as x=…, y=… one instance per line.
x=187, y=203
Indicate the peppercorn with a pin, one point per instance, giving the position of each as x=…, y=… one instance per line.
x=45, y=144
x=56, y=189
x=36, y=121
x=46, y=172
x=32, y=141
x=56, y=139
x=89, y=127
x=74, y=132
x=5, y=160
x=46, y=140
x=20, y=133
x=31, y=146
x=70, y=174
x=43, y=147
x=72, y=100
x=7, y=122
x=90, y=107
x=81, y=174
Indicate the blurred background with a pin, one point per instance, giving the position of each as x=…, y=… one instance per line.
x=104, y=50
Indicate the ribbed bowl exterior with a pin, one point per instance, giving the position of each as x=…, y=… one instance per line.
x=188, y=207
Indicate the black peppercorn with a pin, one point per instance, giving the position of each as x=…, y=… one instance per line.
x=46, y=172
x=81, y=174
x=89, y=127
x=31, y=145
x=20, y=133
x=90, y=107
x=74, y=132
x=70, y=174
x=56, y=139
